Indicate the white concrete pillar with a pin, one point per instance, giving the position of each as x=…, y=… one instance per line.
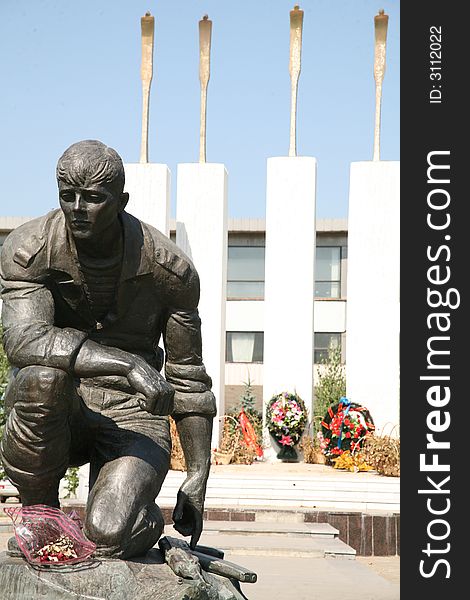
x=201, y=232
x=289, y=277
x=148, y=185
x=373, y=319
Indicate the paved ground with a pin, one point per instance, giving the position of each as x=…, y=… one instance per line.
x=385, y=566
x=315, y=579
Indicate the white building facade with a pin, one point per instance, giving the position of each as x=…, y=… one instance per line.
x=245, y=309
x=245, y=301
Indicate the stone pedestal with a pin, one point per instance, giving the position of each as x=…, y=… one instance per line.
x=146, y=578
x=289, y=277
x=148, y=185
x=373, y=290
x=201, y=232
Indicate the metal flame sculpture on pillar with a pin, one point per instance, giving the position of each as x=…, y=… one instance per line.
x=205, y=31
x=296, y=22
x=148, y=183
x=381, y=25
x=146, y=73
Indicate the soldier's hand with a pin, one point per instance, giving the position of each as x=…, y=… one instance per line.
x=187, y=515
x=156, y=391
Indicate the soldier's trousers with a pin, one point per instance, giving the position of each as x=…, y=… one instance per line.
x=55, y=421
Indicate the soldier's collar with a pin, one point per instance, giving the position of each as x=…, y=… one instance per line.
x=137, y=251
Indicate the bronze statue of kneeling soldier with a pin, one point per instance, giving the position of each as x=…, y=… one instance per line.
x=88, y=292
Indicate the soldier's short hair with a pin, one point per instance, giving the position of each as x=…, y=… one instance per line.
x=91, y=161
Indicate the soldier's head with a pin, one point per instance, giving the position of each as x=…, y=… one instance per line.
x=90, y=176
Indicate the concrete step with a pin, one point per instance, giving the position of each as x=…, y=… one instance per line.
x=257, y=528
x=324, y=492
x=317, y=540
x=268, y=545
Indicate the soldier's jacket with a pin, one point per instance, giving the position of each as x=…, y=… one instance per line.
x=46, y=315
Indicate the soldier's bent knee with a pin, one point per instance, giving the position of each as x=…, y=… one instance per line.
x=120, y=537
x=46, y=383
x=44, y=377
x=106, y=531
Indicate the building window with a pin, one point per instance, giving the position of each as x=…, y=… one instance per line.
x=245, y=273
x=322, y=343
x=244, y=347
x=328, y=272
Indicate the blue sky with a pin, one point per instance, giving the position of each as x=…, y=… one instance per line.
x=71, y=70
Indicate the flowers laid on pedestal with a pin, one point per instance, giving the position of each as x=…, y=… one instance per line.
x=344, y=428
x=286, y=417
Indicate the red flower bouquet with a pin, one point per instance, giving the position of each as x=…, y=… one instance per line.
x=344, y=427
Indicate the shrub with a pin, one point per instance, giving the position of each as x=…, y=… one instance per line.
x=383, y=454
x=311, y=451
x=232, y=436
x=331, y=387
x=247, y=401
x=71, y=481
x=177, y=461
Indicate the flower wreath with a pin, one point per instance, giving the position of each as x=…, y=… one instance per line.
x=286, y=417
x=344, y=427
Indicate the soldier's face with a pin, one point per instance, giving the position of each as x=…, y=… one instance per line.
x=91, y=209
